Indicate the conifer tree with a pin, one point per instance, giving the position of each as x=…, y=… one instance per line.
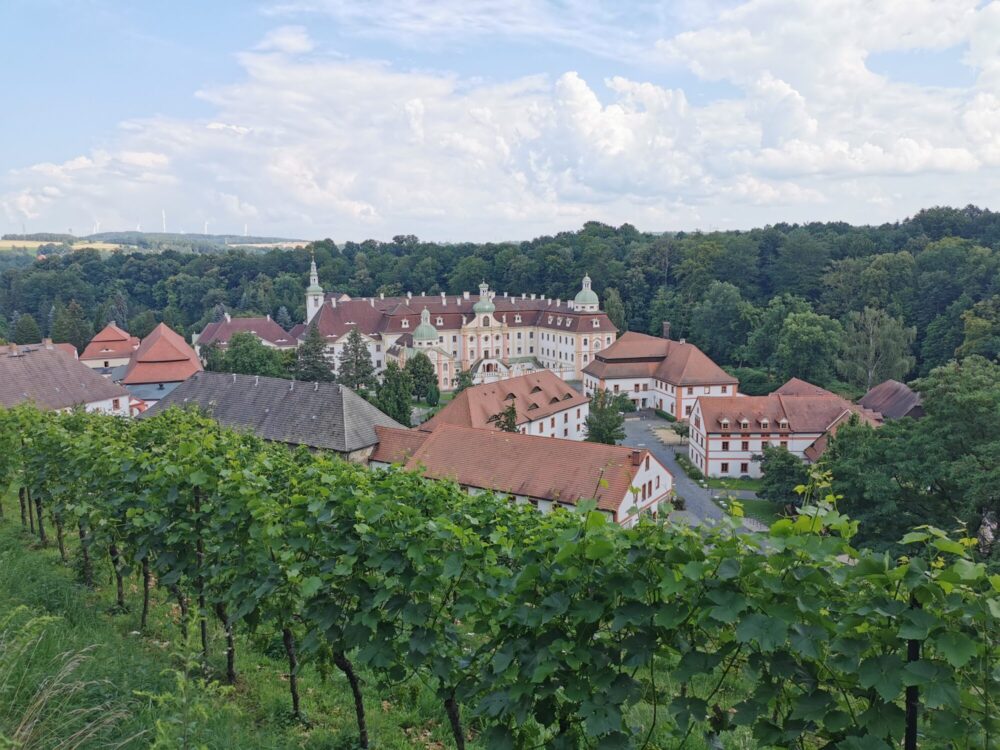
x=26, y=330
x=71, y=326
x=355, y=369
x=395, y=394
x=283, y=318
x=421, y=371
x=310, y=359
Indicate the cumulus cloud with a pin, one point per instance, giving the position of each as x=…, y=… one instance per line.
x=307, y=143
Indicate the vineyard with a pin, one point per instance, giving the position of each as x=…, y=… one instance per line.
x=531, y=631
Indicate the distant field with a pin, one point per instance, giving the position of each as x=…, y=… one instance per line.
x=34, y=244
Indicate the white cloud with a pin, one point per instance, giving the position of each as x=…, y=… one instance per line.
x=308, y=143
x=291, y=40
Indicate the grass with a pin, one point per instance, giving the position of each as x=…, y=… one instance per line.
x=733, y=483
x=761, y=510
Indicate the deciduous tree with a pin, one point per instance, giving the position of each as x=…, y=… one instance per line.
x=876, y=347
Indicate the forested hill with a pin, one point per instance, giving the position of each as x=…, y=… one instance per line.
x=782, y=300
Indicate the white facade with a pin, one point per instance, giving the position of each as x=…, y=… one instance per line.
x=118, y=407
x=737, y=452
x=652, y=393
x=569, y=424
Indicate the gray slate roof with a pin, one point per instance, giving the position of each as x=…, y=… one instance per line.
x=317, y=415
x=894, y=400
x=52, y=379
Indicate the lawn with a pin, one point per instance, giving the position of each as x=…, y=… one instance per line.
x=733, y=483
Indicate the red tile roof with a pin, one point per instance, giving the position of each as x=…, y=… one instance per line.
x=805, y=414
x=162, y=357
x=799, y=387
x=639, y=355
x=111, y=343
x=535, y=396
x=263, y=328
x=396, y=445
x=564, y=471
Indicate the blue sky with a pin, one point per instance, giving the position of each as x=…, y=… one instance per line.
x=487, y=120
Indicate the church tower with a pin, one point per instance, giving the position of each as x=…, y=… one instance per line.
x=314, y=292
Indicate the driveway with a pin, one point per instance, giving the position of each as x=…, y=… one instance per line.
x=699, y=505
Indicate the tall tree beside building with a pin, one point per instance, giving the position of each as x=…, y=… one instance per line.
x=506, y=419
x=782, y=473
x=70, y=325
x=355, y=368
x=284, y=318
x=615, y=309
x=311, y=364
x=421, y=371
x=876, y=347
x=26, y=330
x=605, y=422
x=807, y=347
x=395, y=394
x=247, y=355
x=463, y=380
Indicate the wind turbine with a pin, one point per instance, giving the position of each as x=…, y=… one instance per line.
x=206, y=228
x=97, y=226
x=163, y=211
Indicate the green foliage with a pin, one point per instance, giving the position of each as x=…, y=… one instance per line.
x=689, y=468
x=721, y=321
x=876, y=347
x=558, y=630
x=982, y=329
x=506, y=419
x=395, y=394
x=26, y=330
x=355, y=368
x=807, y=346
x=247, y=355
x=615, y=309
x=463, y=380
x=782, y=473
x=70, y=325
x=605, y=423
x=433, y=395
x=421, y=371
x=665, y=415
x=311, y=364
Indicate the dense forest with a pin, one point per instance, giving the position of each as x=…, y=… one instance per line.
x=839, y=305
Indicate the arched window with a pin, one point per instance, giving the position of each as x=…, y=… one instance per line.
x=486, y=320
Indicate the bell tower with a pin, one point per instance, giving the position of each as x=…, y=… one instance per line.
x=314, y=292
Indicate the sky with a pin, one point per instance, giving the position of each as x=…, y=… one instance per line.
x=492, y=119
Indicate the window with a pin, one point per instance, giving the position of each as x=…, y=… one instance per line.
x=784, y=444
x=116, y=403
x=553, y=423
x=725, y=389
x=517, y=318
x=725, y=445
x=405, y=323
x=708, y=389
x=595, y=323
x=744, y=468
x=566, y=418
x=744, y=424
x=454, y=339
x=107, y=365
x=645, y=386
x=550, y=320
x=638, y=387
x=647, y=463
x=518, y=335
x=439, y=321
x=724, y=467
x=566, y=432
x=607, y=341
x=657, y=481
x=687, y=411
x=690, y=391
x=765, y=424
x=378, y=347
x=616, y=387
x=745, y=445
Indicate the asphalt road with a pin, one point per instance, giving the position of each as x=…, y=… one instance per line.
x=699, y=505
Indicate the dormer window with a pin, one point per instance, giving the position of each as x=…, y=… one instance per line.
x=405, y=323
x=783, y=424
x=509, y=397
x=554, y=400
x=595, y=323
x=725, y=423
x=439, y=321
x=744, y=424
x=765, y=423
x=517, y=318
x=559, y=321
x=568, y=321
x=550, y=320
x=536, y=389
x=567, y=396
x=532, y=406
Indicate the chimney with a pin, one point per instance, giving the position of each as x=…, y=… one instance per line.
x=381, y=295
x=505, y=295
x=666, y=329
x=465, y=295
x=269, y=316
x=532, y=296
x=47, y=343
x=683, y=341
x=559, y=302
x=14, y=351
x=524, y=295
x=636, y=458
x=444, y=300
x=228, y=317
x=409, y=296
